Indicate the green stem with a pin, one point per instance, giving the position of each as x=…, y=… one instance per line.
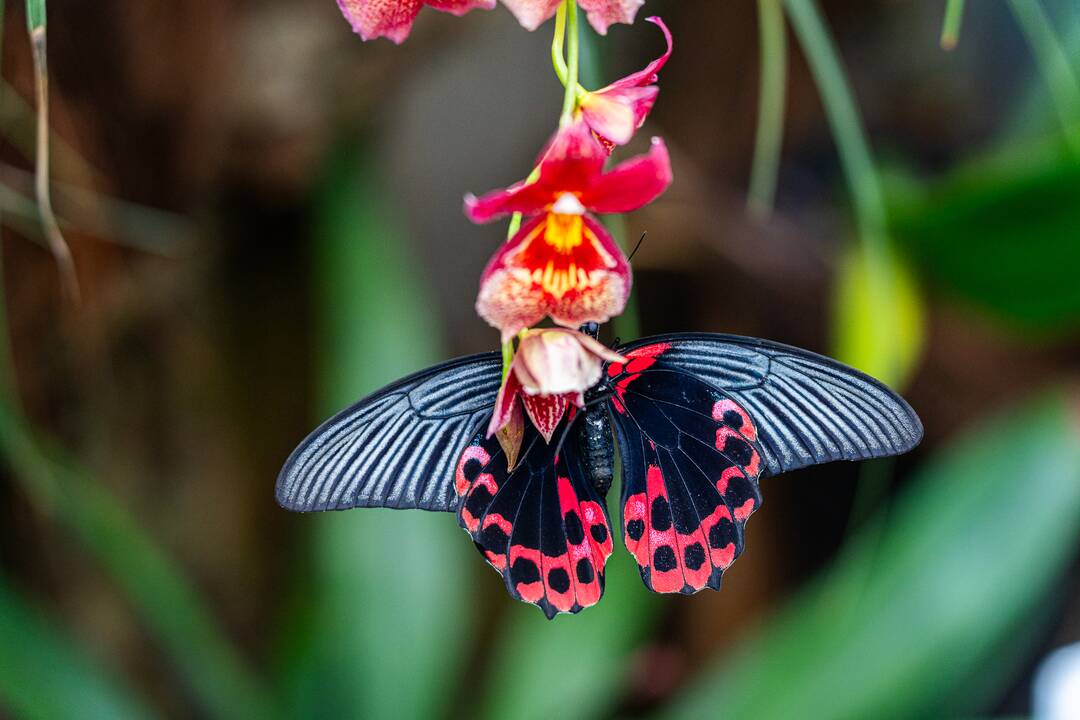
x=950, y=29
x=855, y=157
x=557, y=58
x=770, y=128
x=1054, y=65
x=573, y=52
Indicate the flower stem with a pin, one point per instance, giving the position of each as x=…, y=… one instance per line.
x=572, y=59
x=557, y=58
x=770, y=127
x=855, y=157
x=950, y=30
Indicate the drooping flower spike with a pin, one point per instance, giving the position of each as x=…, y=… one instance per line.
x=393, y=19
x=562, y=263
x=616, y=112
x=601, y=13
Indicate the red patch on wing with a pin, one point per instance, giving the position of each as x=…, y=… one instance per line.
x=639, y=361
x=745, y=425
x=586, y=524
x=473, y=452
x=533, y=589
x=498, y=560
x=719, y=530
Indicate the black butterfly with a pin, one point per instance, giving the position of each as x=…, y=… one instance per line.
x=699, y=419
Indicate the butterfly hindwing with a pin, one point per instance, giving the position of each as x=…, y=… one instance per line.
x=690, y=468
x=540, y=525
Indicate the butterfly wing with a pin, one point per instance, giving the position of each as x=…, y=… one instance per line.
x=701, y=417
x=397, y=448
x=541, y=525
x=808, y=409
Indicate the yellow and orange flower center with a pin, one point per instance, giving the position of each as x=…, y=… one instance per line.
x=562, y=254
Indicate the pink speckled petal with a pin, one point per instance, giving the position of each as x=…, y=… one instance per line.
x=604, y=13
x=460, y=7
x=391, y=19
x=532, y=13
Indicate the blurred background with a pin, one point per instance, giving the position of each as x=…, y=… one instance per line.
x=265, y=216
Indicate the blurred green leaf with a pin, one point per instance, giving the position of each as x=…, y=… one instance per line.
x=907, y=618
x=584, y=656
x=860, y=314
x=1002, y=234
x=43, y=675
x=384, y=622
x=161, y=595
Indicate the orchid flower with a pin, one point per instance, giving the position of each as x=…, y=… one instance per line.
x=562, y=263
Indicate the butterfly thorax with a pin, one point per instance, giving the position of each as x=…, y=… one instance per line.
x=596, y=447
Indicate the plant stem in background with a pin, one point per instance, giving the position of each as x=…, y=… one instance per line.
x=1054, y=65
x=858, y=166
x=35, y=18
x=770, y=126
x=950, y=29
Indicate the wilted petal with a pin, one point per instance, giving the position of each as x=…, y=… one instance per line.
x=504, y=403
x=604, y=13
x=532, y=13
x=565, y=266
x=546, y=411
x=390, y=19
x=633, y=183
x=555, y=362
x=511, y=434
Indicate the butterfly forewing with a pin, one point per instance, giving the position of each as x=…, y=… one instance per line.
x=808, y=409
x=690, y=468
x=396, y=448
x=541, y=525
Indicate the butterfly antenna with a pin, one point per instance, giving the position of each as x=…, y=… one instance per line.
x=637, y=247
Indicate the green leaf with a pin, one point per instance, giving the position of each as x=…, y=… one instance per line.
x=1002, y=234
x=920, y=605
x=43, y=675
x=584, y=655
x=383, y=622
x=880, y=333
x=159, y=593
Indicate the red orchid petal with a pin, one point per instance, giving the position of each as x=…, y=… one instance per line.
x=532, y=13
x=651, y=73
x=573, y=159
x=616, y=113
x=390, y=19
x=632, y=184
x=460, y=7
x=546, y=411
x=604, y=13
x=567, y=267
x=505, y=404
x=528, y=199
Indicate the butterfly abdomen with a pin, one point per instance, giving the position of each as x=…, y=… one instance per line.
x=597, y=449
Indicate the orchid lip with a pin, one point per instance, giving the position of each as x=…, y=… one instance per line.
x=568, y=204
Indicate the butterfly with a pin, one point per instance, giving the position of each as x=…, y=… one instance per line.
x=698, y=418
